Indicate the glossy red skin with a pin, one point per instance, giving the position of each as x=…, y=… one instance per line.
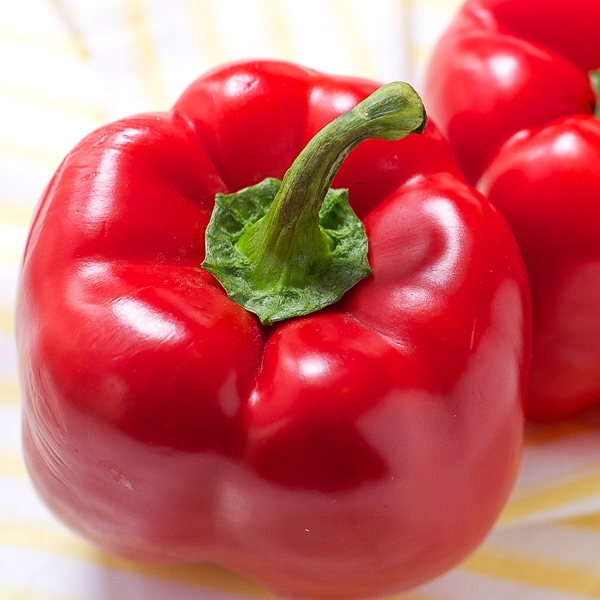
x=356, y=451
x=508, y=86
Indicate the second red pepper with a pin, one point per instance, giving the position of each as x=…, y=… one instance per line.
x=509, y=86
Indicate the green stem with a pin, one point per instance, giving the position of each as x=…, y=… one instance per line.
x=285, y=249
x=595, y=81
x=288, y=241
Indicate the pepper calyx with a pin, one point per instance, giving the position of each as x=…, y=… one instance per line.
x=284, y=249
x=595, y=82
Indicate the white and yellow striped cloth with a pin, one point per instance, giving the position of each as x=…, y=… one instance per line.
x=68, y=66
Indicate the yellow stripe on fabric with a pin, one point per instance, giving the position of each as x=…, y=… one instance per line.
x=10, y=395
x=10, y=256
x=39, y=156
x=66, y=105
x=448, y=6
x=14, y=214
x=280, y=32
x=36, y=596
x=416, y=596
x=7, y=322
x=539, y=573
x=12, y=466
x=70, y=21
x=11, y=244
x=418, y=53
x=405, y=35
x=589, y=522
x=206, y=31
x=359, y=48
x=70, y=546
x=583, y=484
x=60, y=45
x=209, y=576
x=145, y=53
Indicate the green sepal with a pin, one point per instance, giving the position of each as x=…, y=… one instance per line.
x=595, y=81
x=286, y=249
x=283, y=297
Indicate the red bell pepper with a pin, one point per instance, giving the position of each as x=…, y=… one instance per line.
x=509, y=85
x=357, y=449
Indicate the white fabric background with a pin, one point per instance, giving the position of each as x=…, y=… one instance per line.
x=68, y=66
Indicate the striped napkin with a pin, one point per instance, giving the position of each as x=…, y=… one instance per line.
x=68, y=66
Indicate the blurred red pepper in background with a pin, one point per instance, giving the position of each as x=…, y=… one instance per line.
x=351, y=451
x=509, y=84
